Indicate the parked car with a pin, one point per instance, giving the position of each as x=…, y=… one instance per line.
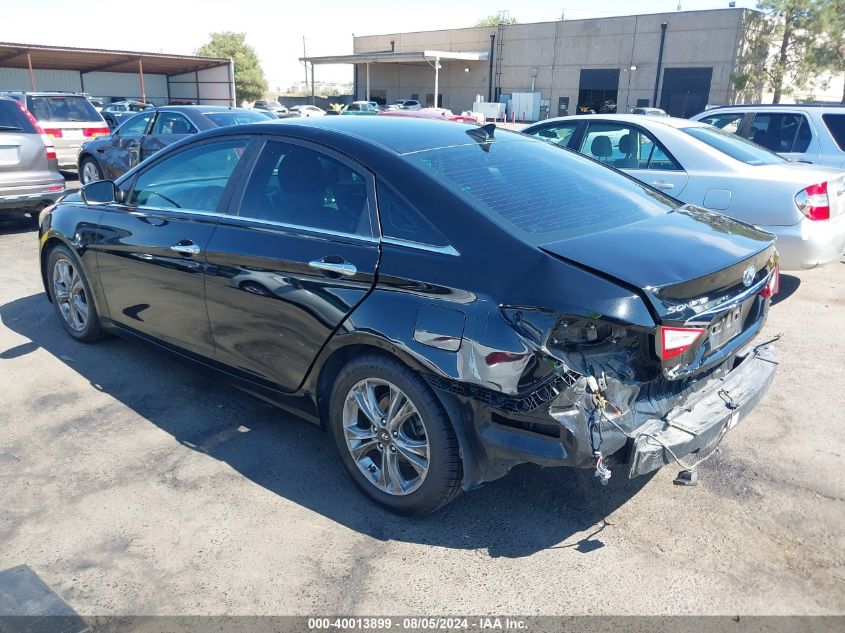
x=407, y=104
x=440, y=114
x=68, y=118
x=117, y=111
x=308, y=111
x=147, y=132
x=97, y=103
x=803, y=205
x=805, y=133
x=275, y=107
x=448, y=301
x=359, y=107
x=648, y=111
x=29, y=171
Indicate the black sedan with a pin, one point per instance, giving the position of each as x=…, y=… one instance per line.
x=141, y=136
x=447, y=301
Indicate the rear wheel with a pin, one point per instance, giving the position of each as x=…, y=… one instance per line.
x=71, y=296
x=89, y=171
x=394, y=437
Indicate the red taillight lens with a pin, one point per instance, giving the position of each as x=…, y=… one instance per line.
x=94, y=132
x=30, y=118
x=773, y=287
x=676, y=340
x=813, y=202
x=53, y=131
x=56, y=188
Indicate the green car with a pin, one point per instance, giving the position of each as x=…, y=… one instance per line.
x=359, y=107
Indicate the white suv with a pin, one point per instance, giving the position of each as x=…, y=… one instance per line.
x=806, y=133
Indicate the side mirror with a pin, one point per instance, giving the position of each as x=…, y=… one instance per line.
x=99, y=192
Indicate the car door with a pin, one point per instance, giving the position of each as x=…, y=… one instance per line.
x=635, y=151
x=785, y=132
x=151, y=246
x=297, y=253
x=168, y=127
x=122, y=152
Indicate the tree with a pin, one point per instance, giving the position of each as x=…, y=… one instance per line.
x=496, y=20
x=828, y=50
x=250, y=83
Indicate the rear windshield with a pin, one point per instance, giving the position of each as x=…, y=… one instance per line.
x=12, y=119
x=539, y=191
x=734, y=146
x=222, y=119
x=63, y=108
x=836, y=124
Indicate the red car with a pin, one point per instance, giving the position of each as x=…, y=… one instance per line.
x=431, y=113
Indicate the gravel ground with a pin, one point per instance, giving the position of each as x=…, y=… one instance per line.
x=134, y=484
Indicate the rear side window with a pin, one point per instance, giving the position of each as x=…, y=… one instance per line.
x=835, y=123
x=64, y=108
x=734, y=146
x=401, y=221
x=12, y=119
x=781, y=132
x=539, y=192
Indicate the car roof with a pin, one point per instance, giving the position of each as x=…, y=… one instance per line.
x=639, y=119
x=759, y=106
x=402, y=135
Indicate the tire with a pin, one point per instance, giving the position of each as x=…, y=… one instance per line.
x=71, y=292
x=391, y=465
x=89, y=171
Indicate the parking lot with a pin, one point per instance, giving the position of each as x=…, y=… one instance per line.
x=132, y=484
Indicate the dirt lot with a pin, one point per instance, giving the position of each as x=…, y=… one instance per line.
x=133, y=484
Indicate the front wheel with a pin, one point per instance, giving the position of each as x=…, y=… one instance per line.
x=89, y=171
x=394, y=437
x=71, y=296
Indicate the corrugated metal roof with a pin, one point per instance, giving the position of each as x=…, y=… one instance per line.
x=93, y=59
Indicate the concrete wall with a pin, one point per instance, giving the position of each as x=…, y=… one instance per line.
x=558, y=51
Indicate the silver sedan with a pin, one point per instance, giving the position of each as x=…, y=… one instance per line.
x=803, y=205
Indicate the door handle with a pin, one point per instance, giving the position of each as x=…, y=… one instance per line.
x=186, y=249
x=662, y=184
x=339, y=268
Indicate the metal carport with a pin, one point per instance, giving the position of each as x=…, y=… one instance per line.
x=205, y=80
x=432, y=58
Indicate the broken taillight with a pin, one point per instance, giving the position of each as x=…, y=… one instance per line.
x=773, y=287
x=676, y=340
x=813, y=202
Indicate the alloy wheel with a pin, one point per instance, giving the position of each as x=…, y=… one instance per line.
x=90, y=173
x=69, y=293
x=386, y=436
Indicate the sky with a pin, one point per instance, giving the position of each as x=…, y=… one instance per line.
x=276, y=28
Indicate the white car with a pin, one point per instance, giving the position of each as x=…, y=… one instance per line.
x=308, y=111
x=803, y=205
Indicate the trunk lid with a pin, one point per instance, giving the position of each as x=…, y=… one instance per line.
x=694, y=269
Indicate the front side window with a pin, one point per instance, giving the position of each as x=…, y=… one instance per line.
x=625, y=147
x=734, y=146
x=297, y=185
x=728, y=121
x=136, y=126
x=559, y=133
x=538, y=192
x=193, y=179
x=172, y=123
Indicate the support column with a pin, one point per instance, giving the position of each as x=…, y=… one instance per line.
x=368, y=81
x=233, y=97
x=141, y=75
x=313, y=99
x=31, y=73
x=436, y=79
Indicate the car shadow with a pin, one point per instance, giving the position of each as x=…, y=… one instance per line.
x=17, y=222
x=788, y=285
x=529, y=510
